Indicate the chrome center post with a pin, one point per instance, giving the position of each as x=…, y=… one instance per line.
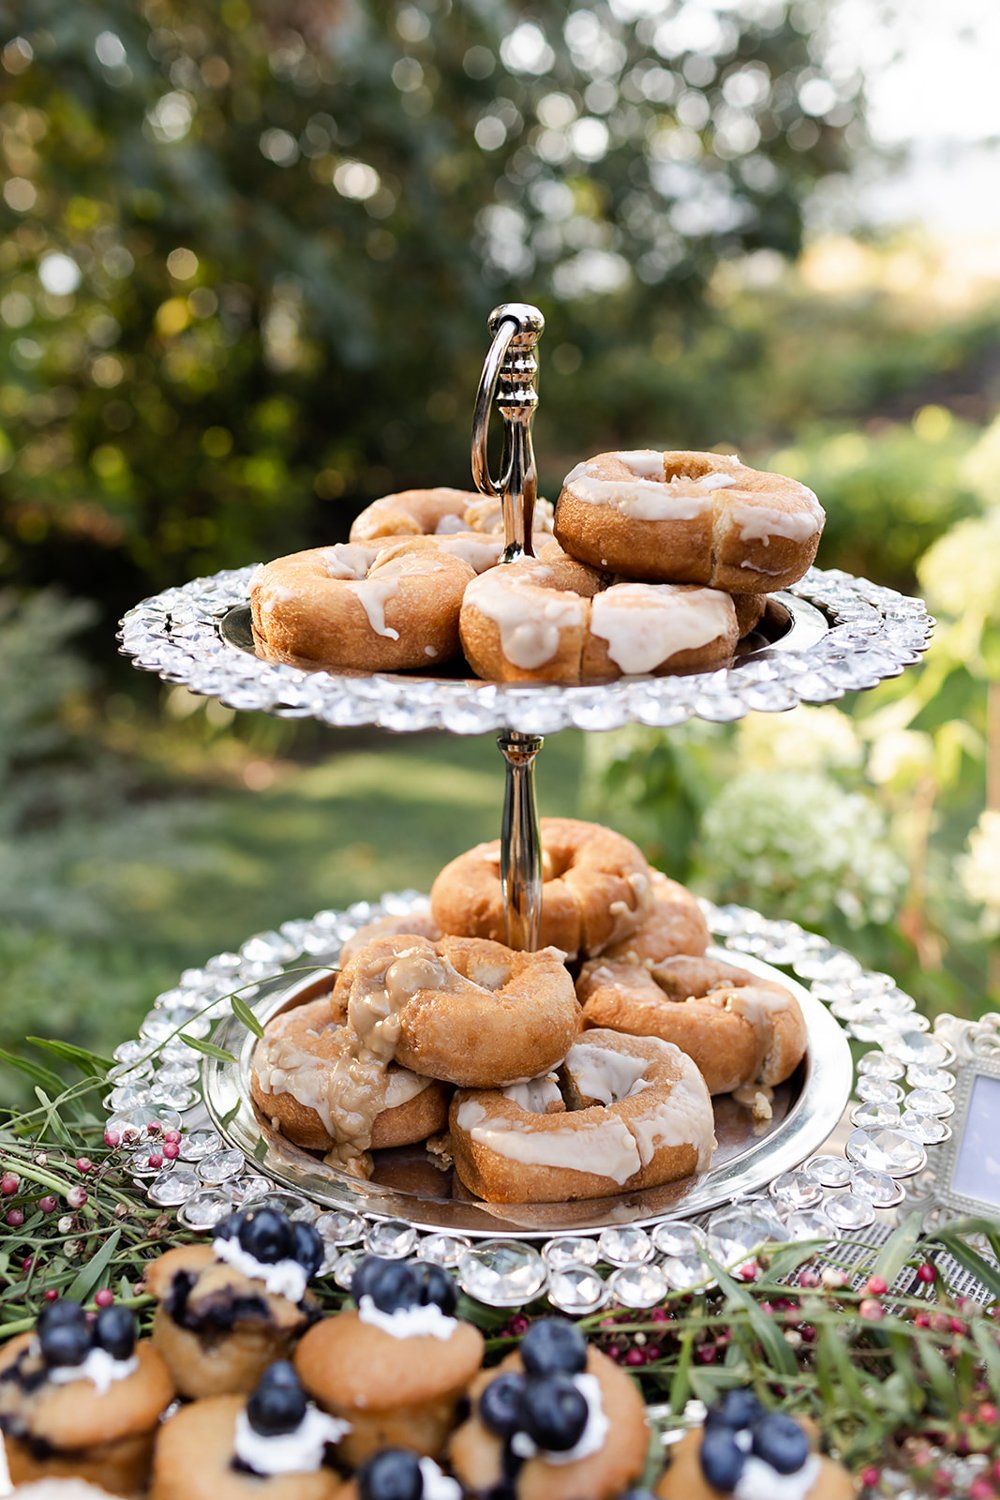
x=509, y=379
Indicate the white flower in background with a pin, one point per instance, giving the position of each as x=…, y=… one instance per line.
x=801, y=847
x=980, y=468
x=811, y=739
x=979, y=870
x=901, y=757
x=960, y=573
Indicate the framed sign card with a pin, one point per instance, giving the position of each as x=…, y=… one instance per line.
x=968, y=1178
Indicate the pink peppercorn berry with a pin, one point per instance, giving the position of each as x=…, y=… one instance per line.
x=989, y=1415
x=981, y=1489
x=49, y=1203
x=871, y=1310
x=27, y=1264
x=635, y=1357
x=870, y=1476
x=9, y=1184
x=15, y=1217
x=926, y=1273
x=154, y=1128
x=51, y=1295
x=104, y=1297
x=171, y=1150
x=155, y=1159
x=876, y=1286
x=173, y=1136
x=112, y=1138
x=84, y=1164
x=76, y=1197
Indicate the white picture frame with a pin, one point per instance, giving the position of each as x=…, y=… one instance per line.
x=968, y=1173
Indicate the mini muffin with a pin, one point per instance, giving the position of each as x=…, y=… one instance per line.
x=82, y=1400
x=228, y=1309
x=396, y=1368
x=397, y=1474
x=555, y=1421
x=745, y=1450
x=275, y=1446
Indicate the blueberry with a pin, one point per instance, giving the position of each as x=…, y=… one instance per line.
x=267, y=1236
x=637, y=1495
x=279, y=1402
x=366, y=1271
x=64, y=1343
x=555, y=1412
x=395, y=1286
x=736, y=1409
x=229, y=1227
x=780, y=1442
x=721, y=1458
x=114, y=1330
x=501, y=1404
x=309, y=1250
x=393, y=1474
x=62, y=1311
x=553, y=1346
x=438, y=1288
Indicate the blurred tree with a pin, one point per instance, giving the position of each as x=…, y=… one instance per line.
x=251, y=247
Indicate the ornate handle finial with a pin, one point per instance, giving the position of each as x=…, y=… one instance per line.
x=509, y=376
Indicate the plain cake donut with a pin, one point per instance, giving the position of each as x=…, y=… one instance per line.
x=642, y=1117
x=291, y=1078
x=681, y=517
x=551, y=619
x=361, y=606
x=595, y=891
x=417, y=923
x=438, y=512
x=738, y=1028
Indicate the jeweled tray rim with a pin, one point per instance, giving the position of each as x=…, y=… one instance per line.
x=855, y=634
x=824, y=1094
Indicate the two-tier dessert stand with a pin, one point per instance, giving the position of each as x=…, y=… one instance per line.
x=830, y=634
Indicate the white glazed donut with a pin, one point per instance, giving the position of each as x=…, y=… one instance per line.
x=439, y=512
x=641, y=1116
x=681, y=517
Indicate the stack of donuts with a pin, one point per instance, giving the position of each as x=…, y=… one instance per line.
x=582, y=1070
x=652, y=562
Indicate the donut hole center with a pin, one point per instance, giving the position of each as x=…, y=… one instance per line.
x=555, y=863
x=693, y=467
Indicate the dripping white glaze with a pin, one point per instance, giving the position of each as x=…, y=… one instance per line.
x=529, y=616
x=646, y=624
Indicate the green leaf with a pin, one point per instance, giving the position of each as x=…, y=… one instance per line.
x=986, y=1343
x=88, y=1062
x=898, y=1249
x=679, y=1384
x=207, y=1049
x=39, y=1074
x=951, y=1240
x=767, y=1332
x=242, y=1012
x=938, y=1373
x=88, y=1276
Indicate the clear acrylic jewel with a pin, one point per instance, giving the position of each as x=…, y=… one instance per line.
x=925, y=1128
x=219, y=1166
x=887, y=1151
x=638, y=1286
x=807, y=1224
x=624, y=1246
x=793, y=1190
x=577, y=1290
x=199, y=1143
x=930, y=1102
x=502, y=1273
x=344, y=1268
x=878, y=1090
x=675, y=1237
x=173, y=1187
x=878, y=1187
x=917, y=1047
x=871, y=1116
x=393, y=1239
x=341, y=1227
x=442, y=1249
x=292, y=1205
x=847, y=1212
x=829, y=1171
x=921, y=1077
x=204, y=1209
x=567, y=1251
x=735, y=1233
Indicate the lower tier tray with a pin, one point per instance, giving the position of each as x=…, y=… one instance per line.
x=794, y=1182
x=408, y=1184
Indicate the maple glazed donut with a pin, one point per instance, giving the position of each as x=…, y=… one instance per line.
x=674, y=924
x=416, y=923
x=462, y=1010
x=595, y=889
x=292, y=1075
x=680, y=517
x=438, y=512
x=738, y=1028
x=364, y=607
x=642, y=1117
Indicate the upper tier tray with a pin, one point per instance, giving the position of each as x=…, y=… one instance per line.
x=828, y=635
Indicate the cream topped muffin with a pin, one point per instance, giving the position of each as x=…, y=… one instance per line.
x=397, y=1367
x=276, y=1446
x=555, y=1421
x=397, y=1474
x=228, y=1309
x=82, y=1399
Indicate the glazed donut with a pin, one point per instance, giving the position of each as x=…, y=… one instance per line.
x=292, y=1074
x=462, y=1010
x=642, y=1116
x=362, y=607
x=417, y=924
x=438, y=512
x=674, y=924
x=750, y=609
x=739, y=1029
x=689, y=518
x=595, y=891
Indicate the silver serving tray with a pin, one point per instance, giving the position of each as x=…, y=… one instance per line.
x=406, y=1185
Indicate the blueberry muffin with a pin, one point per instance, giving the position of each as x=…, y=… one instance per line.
x=397, y=1367
x=397, y=1474
x=274, y=1446
x=555, y=1421
x=229, y=1309
x=748, y=1452
x=82, y=1399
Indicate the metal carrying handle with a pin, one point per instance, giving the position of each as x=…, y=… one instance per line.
x=509, y=377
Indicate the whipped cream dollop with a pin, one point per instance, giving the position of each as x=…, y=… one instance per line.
x=759, y=1481
x=298, y=1452
x=438, y=1485
x=99, y=1367
x=283, y=1278
x=592, y=1438
x=423, y=1321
